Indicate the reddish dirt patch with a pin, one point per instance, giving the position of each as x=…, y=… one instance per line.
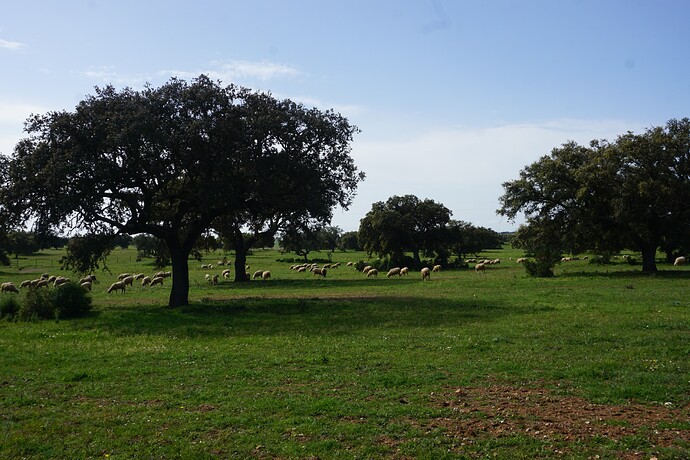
x=505, y=411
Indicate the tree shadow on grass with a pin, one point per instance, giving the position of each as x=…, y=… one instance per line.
x=310, y=316
x=628, y=274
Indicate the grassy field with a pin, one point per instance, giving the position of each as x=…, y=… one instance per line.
x=594, y=363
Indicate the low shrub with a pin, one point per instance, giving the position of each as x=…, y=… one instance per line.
x=70, y=300
x=65, y=301
x=37, y=304
x=9, y=306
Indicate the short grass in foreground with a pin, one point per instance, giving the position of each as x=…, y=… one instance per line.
x=348, y=367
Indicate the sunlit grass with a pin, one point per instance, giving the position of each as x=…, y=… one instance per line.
x=298, y=366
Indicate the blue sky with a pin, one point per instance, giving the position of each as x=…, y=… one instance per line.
x=453, y=97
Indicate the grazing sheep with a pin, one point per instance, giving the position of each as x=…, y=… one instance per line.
x=139, y=276
x=404, y=271
x=350, y=264
x=27, y=283
x=366, y=269
x=60, y=280
x=426, y=273
x=372, y=272
x=117, y=285
x=157, y=280
x=480, y=268
x=258, y=274
x=41, y=283
x=214, y=279
x=9, y=287
x=301, y=269
x=266, y=275
x=226, y=273
x=521, y=260
x=679, y=261
x=122, y=276
x=207, y=277
x=436, y=269
x=319, y=271
x=52, y=278
x=395, y=271
x=128, y=280
x=145, y=281
x=86, y=285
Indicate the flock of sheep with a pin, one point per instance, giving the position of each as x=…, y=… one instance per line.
x=126, y=279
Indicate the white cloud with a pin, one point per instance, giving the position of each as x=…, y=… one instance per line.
x=9, y=45
x=12, y=118
x=239, y=70
x=463, y=168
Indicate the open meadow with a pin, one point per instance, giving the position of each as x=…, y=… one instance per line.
x=593, y=363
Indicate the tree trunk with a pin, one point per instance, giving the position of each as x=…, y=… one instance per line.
x=649, y=258
x=179, y=292
x=240, y=264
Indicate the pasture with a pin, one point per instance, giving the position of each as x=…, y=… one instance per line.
x=594, y=363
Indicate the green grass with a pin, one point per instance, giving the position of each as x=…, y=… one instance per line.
x=342, y=367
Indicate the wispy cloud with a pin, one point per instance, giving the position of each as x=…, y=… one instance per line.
x=243, y=72
x=10, y=45
x=239, y=71
x=463, y=168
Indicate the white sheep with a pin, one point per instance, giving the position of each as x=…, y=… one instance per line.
x=366, y=269
x=145, y=281
x=436, y=269
x=372, y=272
x=426, y=273
x=404, y=271
x=122, y=276
x=481, y=267
x=27, y=283
x=319, y=271
x=266, y=275
x=157, y=280
x=258, y=274
x=128, y=280
x=9, y=287
x=395, y=271
x=60, y=280
x=679, y=261
x=86, y=285
x=117, y=286
x=226, y=273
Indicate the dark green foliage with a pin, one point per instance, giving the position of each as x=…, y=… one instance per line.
x=631, y=193
x=70, y=300
x=37, y=304
x=86, y=254
x=539, y=268
x=9, y=306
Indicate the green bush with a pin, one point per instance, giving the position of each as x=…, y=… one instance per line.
x=9, y=306
x=70, y=300
x=37, y=304
x=65, y=301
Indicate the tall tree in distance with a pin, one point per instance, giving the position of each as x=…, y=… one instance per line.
x=402, y=224
x=169, y=161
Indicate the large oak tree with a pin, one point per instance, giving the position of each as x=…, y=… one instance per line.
x=404, y=223
x=630, y=193
x=171, y=161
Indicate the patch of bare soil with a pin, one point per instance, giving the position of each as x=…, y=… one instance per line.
x=564, y=420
